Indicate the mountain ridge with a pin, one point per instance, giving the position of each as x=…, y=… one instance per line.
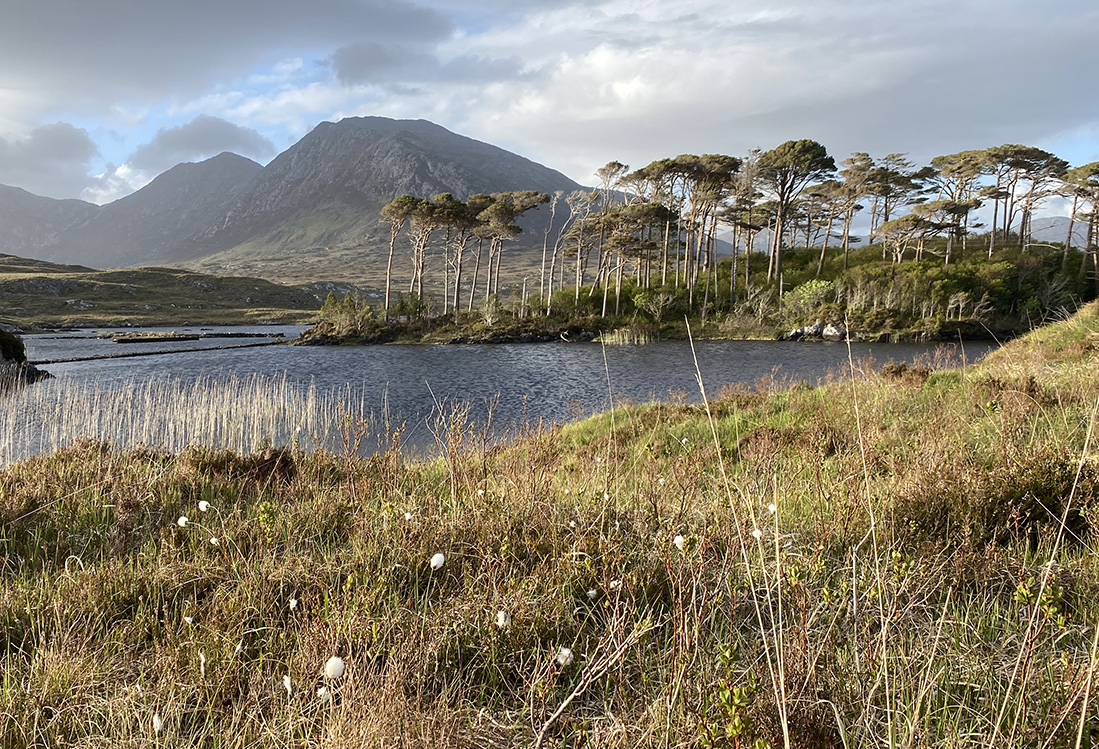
x=311, y=214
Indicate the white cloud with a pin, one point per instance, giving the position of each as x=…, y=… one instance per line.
x=198, y=139
x=570, y=84
x=50, y=160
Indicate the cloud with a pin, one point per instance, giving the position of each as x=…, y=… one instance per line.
x=200, y=138
x=396, y=68
x=86, y=56
x=637, y=81
x=52, y=160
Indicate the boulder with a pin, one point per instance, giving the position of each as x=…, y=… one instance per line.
x=15, y=371
x=15, y=375
x=833, y=333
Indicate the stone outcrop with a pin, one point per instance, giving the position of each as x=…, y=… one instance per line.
x=15, y=371
x=818, y=331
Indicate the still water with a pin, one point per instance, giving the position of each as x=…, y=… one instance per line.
x=515, y=383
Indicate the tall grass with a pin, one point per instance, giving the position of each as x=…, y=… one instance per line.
x=903, y=559
x=241, y=414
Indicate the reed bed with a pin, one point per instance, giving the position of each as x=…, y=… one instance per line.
x=242, y=414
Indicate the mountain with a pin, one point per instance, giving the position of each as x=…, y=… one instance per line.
x=142, y=228
x=311, y=214
x=32, y=226
x=314, y=210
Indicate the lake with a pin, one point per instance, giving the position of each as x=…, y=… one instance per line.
x=398, y=384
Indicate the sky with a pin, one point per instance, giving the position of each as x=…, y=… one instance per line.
x=97, y=97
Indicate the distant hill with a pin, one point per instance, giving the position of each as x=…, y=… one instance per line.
x=32, y=226
x=311, y=214
x=40, y=293
x=148, y=225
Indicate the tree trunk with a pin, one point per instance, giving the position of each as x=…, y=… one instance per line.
x=476, y=271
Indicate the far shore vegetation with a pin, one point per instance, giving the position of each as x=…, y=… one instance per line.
x=643, y=252
x=902, y=557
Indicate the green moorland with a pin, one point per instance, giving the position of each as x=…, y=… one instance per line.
x=903, y=558
x=35, y=293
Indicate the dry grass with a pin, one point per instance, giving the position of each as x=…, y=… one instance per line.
x=926, y=578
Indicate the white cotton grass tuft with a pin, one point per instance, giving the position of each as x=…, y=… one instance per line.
x=772, y=508
x=288, y=685
x=189, y=620
x=592, y=593
x=684, y=441
x=503, y=619
x=203, y=506
x=158, y=724
x=183, y=520
x=565, y=657
x=293, y=603
x=437, y=561
x=757, y=534
x=615, y=585
x=214, y=541
x=202, y=664
x=324, y=695
x=333, y=668
x=680, y=542
x=660, y=481
x=408, y=517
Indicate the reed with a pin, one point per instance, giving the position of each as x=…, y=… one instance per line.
x=239, y=413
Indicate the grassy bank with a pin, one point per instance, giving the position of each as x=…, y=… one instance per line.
x=898, y=559
x=35, y=293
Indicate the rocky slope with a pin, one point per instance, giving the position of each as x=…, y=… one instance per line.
x=311, y=214
x=143, y=228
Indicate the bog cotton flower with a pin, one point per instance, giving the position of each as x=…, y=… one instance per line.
x=287, y=685
x=293, y=603
x=408, y=516
x=324, y=695
x=438, y=561
x=189, y=619
x=333, y=667
x=503, y=619
x=203, y=506
x=182, y=522
x=202, y=664
x=771, y=508
x=158, y=724
x=679, y=542
x=757, y=534
x=592, y=593
x=565, y=657
x=214, y=541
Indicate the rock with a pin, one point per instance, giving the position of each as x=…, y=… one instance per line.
x=833, y=333
x=15, y=375
x=816, y=330
x=11, y=347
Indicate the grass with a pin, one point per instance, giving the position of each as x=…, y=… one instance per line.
x=926, y=577
x=37, y=293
